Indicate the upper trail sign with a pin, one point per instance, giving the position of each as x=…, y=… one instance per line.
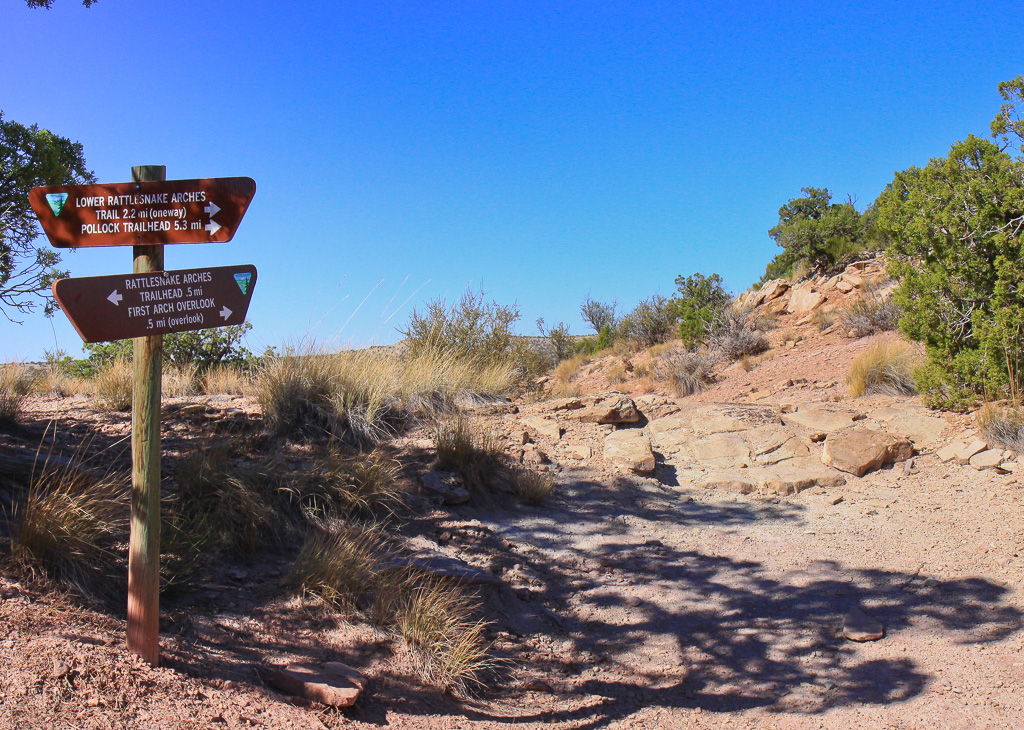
x=143, y=213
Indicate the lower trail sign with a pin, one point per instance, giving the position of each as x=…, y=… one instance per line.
x=104, y=308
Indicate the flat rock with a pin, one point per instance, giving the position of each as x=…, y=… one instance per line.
x=671, y=433
x=334, y=684
x=721, y=449
x=630, y=448
x=715, y=423
x=729, y=481
x=765, y=439
x=447, y=485
x=859, y=450
x=948, y=452
x=818, y=422
x=858, y=626
x=580, y=452
x=803, y=302
x=990, y=459
x=963, y=457
x=544, y=427
x=793, y=448
x=656, y=406
x=443, y=566
x=796, y=475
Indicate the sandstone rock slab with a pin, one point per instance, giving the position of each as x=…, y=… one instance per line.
x=858, y=626
x=818, y=422
x=989, y=459
x=545, y=427
x=963, y=457
x=721, y=449
x=630, y=448
x=729, y=481
x=859, y=450
x=607, y=408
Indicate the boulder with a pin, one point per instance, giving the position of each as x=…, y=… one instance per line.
x=630, y=448
x=543, y=427
x=805, y=302
x=771, y=290
x=610, y=408
x=334, y=684
x=859, y=450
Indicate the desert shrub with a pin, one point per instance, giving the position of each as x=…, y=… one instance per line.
x=471, y=328
x=15, y=385
x=617, y=374
x=563, y=345
x=651, y=322
x=599, y=315
x=1003, y=425
x=361, y=485
x=822, y=320
x=687, y=372
x=735, y=333
x=471, y=452
x=68, y=527
x=815, y=233
x=569, y=369
x=887, y=367
x=870, y=315
x=700, y=300
x=112, y=386
x=341, y=564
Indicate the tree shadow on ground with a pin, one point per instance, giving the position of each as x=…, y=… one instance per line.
x=649, y=625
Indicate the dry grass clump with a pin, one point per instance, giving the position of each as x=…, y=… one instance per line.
x=687, y=372
x=472, y=453
x=224, y=380
x=16, y=383
x=363, y=395
x=822, y=320
x=533, y=487
x=232, y=509
x=68, y=525
x=318, y=394
x=617, y=374
x=112, y=386
x=1003, y=425
x=569, y=369
x=447, y=644
x=352, y=569
x=870, y=315
x=179, y=380
x=361, y=486
x=341, y=564
x=887, y=368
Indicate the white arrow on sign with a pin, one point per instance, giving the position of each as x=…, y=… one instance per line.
x=115, y=298
x=213, y=227
x=225, y=313
x=212, y=209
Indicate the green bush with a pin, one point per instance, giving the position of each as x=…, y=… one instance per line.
x=598, y=314
x=701, y=299
x=956, y=247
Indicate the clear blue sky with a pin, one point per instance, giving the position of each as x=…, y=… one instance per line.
x=543, y=150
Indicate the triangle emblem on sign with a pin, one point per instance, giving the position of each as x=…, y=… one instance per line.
x=243, y=281
x=56, y=201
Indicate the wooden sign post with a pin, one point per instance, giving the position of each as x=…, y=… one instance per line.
x=144, y=540
x=147, y=213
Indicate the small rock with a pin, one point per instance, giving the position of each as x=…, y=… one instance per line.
x=858, y=626
x=333, y=684
x=836, y=501
x=543, y=427
x=537, y=685
x=990, y=459
x=948, y=452
x=963, y=457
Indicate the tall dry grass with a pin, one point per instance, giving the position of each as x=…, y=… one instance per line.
x=68, y=525
x=363, y=396
x=179, y=380
x=886, y=367
x=1003, y=425
x=16, y=383
x=225, y=380
x=112, y=386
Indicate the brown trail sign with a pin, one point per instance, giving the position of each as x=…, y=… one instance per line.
x=143, y=213
x=104, y=308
